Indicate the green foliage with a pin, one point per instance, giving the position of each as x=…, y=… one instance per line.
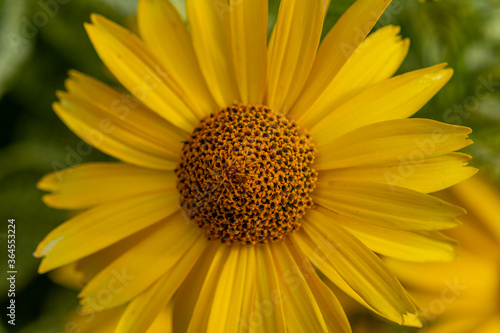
x=466, y=35
x=15, y=45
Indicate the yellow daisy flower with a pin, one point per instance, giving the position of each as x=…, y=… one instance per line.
x=252, y=170
x=463, y=296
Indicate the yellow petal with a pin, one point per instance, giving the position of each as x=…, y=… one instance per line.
x=392, y=141
x=332, y=249
x=247, y=298
x=491, y=325
x=423, y=246
x=338, y=45
x=471, y=277
x=461, y=322
x=394, y=208
x=163, y=321
x=231, y=304
x=93, y=322
x=125, y=110
x=146, y=262
x=102, y=226
x=331, y=309
x=186, y=297
x=210, y=30
x=472, y=236
x=292, y=50
x=422, y=175
x=376, y=59
x=91, y=184
x=268, y=315
x=145, y=308
x=105, y=321
x=228, y=289
x=249, y=47
x=68, y=276
x=83, y=119
x=140, y=72
x=482, y=201
x=334, y=281
x=301, y=310
x=203, y=307
x=395, y=98
x=116, y=125
x=165, y=33
x=89, y=266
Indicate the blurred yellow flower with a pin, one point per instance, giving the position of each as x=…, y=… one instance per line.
x=463, y=296
x=246, y=163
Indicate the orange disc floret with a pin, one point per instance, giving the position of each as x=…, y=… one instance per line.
x=245, y=175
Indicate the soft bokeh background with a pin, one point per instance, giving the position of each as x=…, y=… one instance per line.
x=40, y=42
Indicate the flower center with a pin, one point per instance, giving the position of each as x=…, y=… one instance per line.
x=245, y=175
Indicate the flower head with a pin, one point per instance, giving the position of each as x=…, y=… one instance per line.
x=252, y=170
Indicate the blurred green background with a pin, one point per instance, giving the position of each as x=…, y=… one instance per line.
x=40, y=42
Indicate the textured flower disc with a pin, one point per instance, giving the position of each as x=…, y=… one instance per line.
x=245, y=175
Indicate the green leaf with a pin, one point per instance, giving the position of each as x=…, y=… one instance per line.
x=16, y=39
x=55, y=313
x=124, y=7
x=33, y=220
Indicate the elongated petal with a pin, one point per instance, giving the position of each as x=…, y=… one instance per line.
x=147, y=261
x=376, y=59
x=118, y=126
x=203, y=307
x=125, y=110
x=464, y=271
x=390, y=207
x=491, y=325
x=83, y=119
x=227, y=290
x=106, y=321
x=472, y=237
x=395, y=98
x=332, y=248
x=485, y=207
x=422, y=175
x=210, y=30
x=331, y=309
x=338, y=45
x=122, y=219
x=247, y=298
x=335, y=281
x=249, y=48
x=232, y=304
x=140, y=72
x=423, y=246
x=393, y=141
x=186, y=297
x=292, y=50
x=146, y=307
x=301, y=310
x=92, y=184
x=268, y=315
x=165, y=33
x=85, y=269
